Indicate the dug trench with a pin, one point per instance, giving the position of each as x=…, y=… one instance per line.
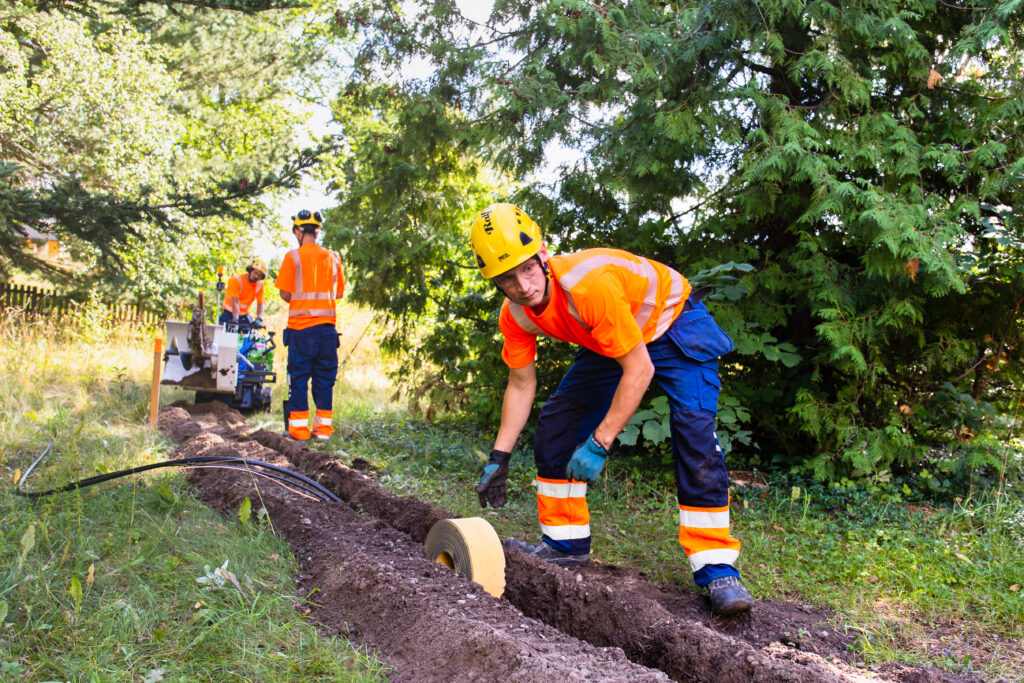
x=364, y=567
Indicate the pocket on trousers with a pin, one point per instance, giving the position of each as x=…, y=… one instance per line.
x=286, y=336
x=709, y=388
x=698, y=336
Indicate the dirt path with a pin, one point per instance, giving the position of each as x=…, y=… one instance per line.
x=365, y=561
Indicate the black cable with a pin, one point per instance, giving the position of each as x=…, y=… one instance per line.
x=307, y=483
x=295, y=486
x=290, y=483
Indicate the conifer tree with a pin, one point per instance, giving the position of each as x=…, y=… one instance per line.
x=849, y=174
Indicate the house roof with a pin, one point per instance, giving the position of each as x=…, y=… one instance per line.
x=31, y=233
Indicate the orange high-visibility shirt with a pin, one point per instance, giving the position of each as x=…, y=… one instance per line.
x=607, y=300
x=246, y=292
x=314, y=277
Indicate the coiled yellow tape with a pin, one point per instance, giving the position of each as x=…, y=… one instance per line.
x=471, y=547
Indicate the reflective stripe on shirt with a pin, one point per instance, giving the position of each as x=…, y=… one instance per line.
x=641, y=267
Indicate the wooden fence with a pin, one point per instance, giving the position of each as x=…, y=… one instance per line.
x=43, y=300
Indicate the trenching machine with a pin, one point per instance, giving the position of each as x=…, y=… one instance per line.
x=232, y=362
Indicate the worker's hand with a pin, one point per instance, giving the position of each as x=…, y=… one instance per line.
x=258, y=322
x=587, y=461
x=491, y=488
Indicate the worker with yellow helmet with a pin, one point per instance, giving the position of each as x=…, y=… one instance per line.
x=634, y=320
x=242, y=290
x=311, y=281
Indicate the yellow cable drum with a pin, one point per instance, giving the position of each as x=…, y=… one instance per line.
x=471, y=547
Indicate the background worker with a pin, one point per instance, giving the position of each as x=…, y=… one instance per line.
x=311, y=281
x=242, y=290
x=634, y=319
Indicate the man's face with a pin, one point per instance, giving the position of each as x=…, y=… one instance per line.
x=525, y=284
x=255, y=275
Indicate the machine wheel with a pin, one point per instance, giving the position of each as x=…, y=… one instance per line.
x=471, y=547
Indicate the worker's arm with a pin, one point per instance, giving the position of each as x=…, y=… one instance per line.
x=285, y=296
x=588, y=459
x=515, y=409
x=637, y=372
x=259, y=310
x=234, y=307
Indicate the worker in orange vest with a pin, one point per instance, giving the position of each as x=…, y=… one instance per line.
x=311, y=281
x=242, y=290
x=634, y=320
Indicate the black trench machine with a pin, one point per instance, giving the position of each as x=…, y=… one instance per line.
x=231, y=362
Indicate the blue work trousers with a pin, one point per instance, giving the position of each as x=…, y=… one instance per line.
x=312, y=355
x=686, y=366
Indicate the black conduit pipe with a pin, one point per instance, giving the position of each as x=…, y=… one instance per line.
x=275, y=473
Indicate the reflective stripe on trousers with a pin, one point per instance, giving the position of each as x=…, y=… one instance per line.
x=323, y=422
x=562, y=511
x=702, y=486
x=704, y=535
x=298, y=424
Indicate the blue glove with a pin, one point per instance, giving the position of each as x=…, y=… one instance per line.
x=258, y=322
x=587, y=461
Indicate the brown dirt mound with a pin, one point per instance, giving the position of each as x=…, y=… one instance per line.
x=373, y=582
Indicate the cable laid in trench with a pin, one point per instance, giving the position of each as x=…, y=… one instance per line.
x=281, y=475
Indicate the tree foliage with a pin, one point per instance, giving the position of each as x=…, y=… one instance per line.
x=863, y=157
x=142, y=135
x=405, y=198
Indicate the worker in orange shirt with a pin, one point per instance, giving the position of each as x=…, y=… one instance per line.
x=311, y=281
x=242, y=290
x=634, y=319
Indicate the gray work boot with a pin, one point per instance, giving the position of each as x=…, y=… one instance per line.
x=728, y=596
x=542, y=551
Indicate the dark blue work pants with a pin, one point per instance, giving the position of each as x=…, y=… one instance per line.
x=312, y=355
x=686, y=366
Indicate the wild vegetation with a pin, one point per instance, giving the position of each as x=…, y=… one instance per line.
x=141, y=136
x=847, y=176
x=128, y=578
x=137, y=580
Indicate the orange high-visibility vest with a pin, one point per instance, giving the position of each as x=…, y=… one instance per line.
x=315, y=280
x=607, y=300
x=246, y=292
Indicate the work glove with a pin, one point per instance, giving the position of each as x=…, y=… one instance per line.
x=491, y=488
x=258, y=322
x=587, y=461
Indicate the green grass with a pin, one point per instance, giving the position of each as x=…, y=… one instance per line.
x=101, y=585
x=107, y=590
x=936, y=585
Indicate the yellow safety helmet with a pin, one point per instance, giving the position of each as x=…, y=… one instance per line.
x=307, y=218
x=502, y=237
x=257, y=264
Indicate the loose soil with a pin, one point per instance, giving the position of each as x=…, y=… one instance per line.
x=364, y=567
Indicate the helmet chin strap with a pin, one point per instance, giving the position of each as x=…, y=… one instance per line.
x=547, y=274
